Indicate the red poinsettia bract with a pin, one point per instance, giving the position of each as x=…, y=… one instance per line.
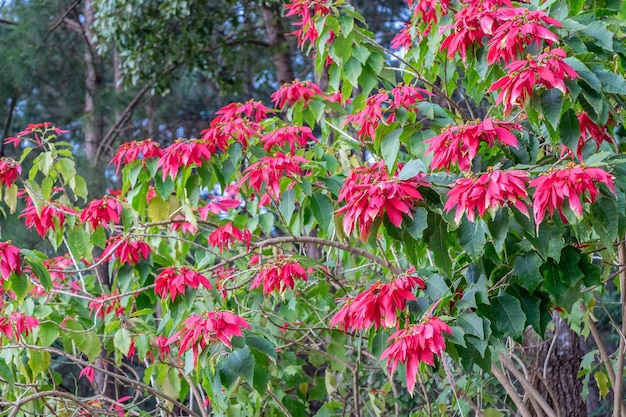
x=127, y=251
x=200, y=330
x=223, y=237
x=102, y=212
x=18, y=324
x=51, y=217
x=590, y=130
x=279, y=275
x=269, y=170
x=183, y=153
x=306, y=10
x=472, y=24
x=295, y=136
x=296, y=91
x=574, y=182
x=519, y=27
x=548, y=70
x=251, y=109
x=378, y=305
x=175, y=281
x=10, y=260
x=369, y=192
x=105, y=304
x=490, y=191
x=10, y=170
x=459, y=144
x=414, y=344
x=132, y=151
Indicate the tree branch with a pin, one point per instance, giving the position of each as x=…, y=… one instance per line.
x=619, y=373
x=506, y=384
x=17, y=405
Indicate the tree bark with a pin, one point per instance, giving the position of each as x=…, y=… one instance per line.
x=91, y=78
x=556, y=365
x=278, y=43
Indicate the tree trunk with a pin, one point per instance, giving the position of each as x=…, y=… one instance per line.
x=89, y=129
x=557, y=363
x=278, y=43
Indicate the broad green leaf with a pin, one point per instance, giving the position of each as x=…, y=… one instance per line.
x=261, y=344
x=48, y=333
x=611, y=82
x=415, y=227
x=10, y=198
x=531, y=305
x=526, y=269
x=389, y=147
x=437, y=243
x=499, y=228
x=288, y=204
x=122, y=340
x=40, y=272
x=241, y=363
x=88, y=343
x=569, y=129
x=39, y=361
x=322, y=210
x=472, y=237
x=603, y=383
x=79, y=243
x=158, y=209
x=352, y=70
x=471, y=324
x=551, y=105
x=601, y=34
x=508, y=314
x=436, y=287
x=411, y=169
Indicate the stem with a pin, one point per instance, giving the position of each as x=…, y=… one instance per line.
x=280, y=405
x=619, y=373
x=521, y=407
x=17, y=405
x=355, y=378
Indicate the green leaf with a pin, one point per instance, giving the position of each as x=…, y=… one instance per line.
x=471, y=324
x=346, y=23
x=472, y=237
x=416, y=226
x=438, y=245
x=40, y=272
x=601, y=34
x=611, y=82
x=241, y=363
x=389, y=147
x=436, y=287
x=122, y=340
x=38, y=361
x=88, y=343
x=603, y=383
x=79, y=243
x=352, y=70
x=531, y=305
x=411, y=169
x=48, y=333
x=261, y=344
x=569, y=129
x=288, y=204
x=551, y=105
x=322, y=210
x=158, y=209
x=509, y=316
x=527, y=269
x=499, y=229
x=10, y=198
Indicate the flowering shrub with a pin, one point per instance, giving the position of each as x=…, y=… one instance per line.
x=450, y=157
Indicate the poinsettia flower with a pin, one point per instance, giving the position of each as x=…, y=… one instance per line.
x=548, y=70
x=472, y=24
x=222, y=275
x=368, y=119
x=102, y=212
x=51, y=216
x=518, y=28
x=251, y=109
x=406, y=96
x=217, y=205
x=105, y=304
x=223, y=237
x=302, y=9
x=279, y=275
x=200, y=330
x=175, y=281
x=221, y=131
x=161, y=343
x=89, y=373
x=426, y=11
x=414, y=344
x=296, y=91
x=127, y=251
x=10, y=260
x=36, y=129
x=292, y=135
x=574, y=182
x=18, y=324
x=489, y=191
x=590, y=130
x=404, y=39
x=55, y=267
x=132, y=151
x=10, y=170
x=183, y=153
x=180, y=223
x=269, y=170
x=369, y=192
x=459, y=144
x=379, y=304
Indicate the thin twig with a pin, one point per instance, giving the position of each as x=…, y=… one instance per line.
x=506, y=384
x=619, y=372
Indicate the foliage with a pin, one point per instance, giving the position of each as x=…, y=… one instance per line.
x=480, y=165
